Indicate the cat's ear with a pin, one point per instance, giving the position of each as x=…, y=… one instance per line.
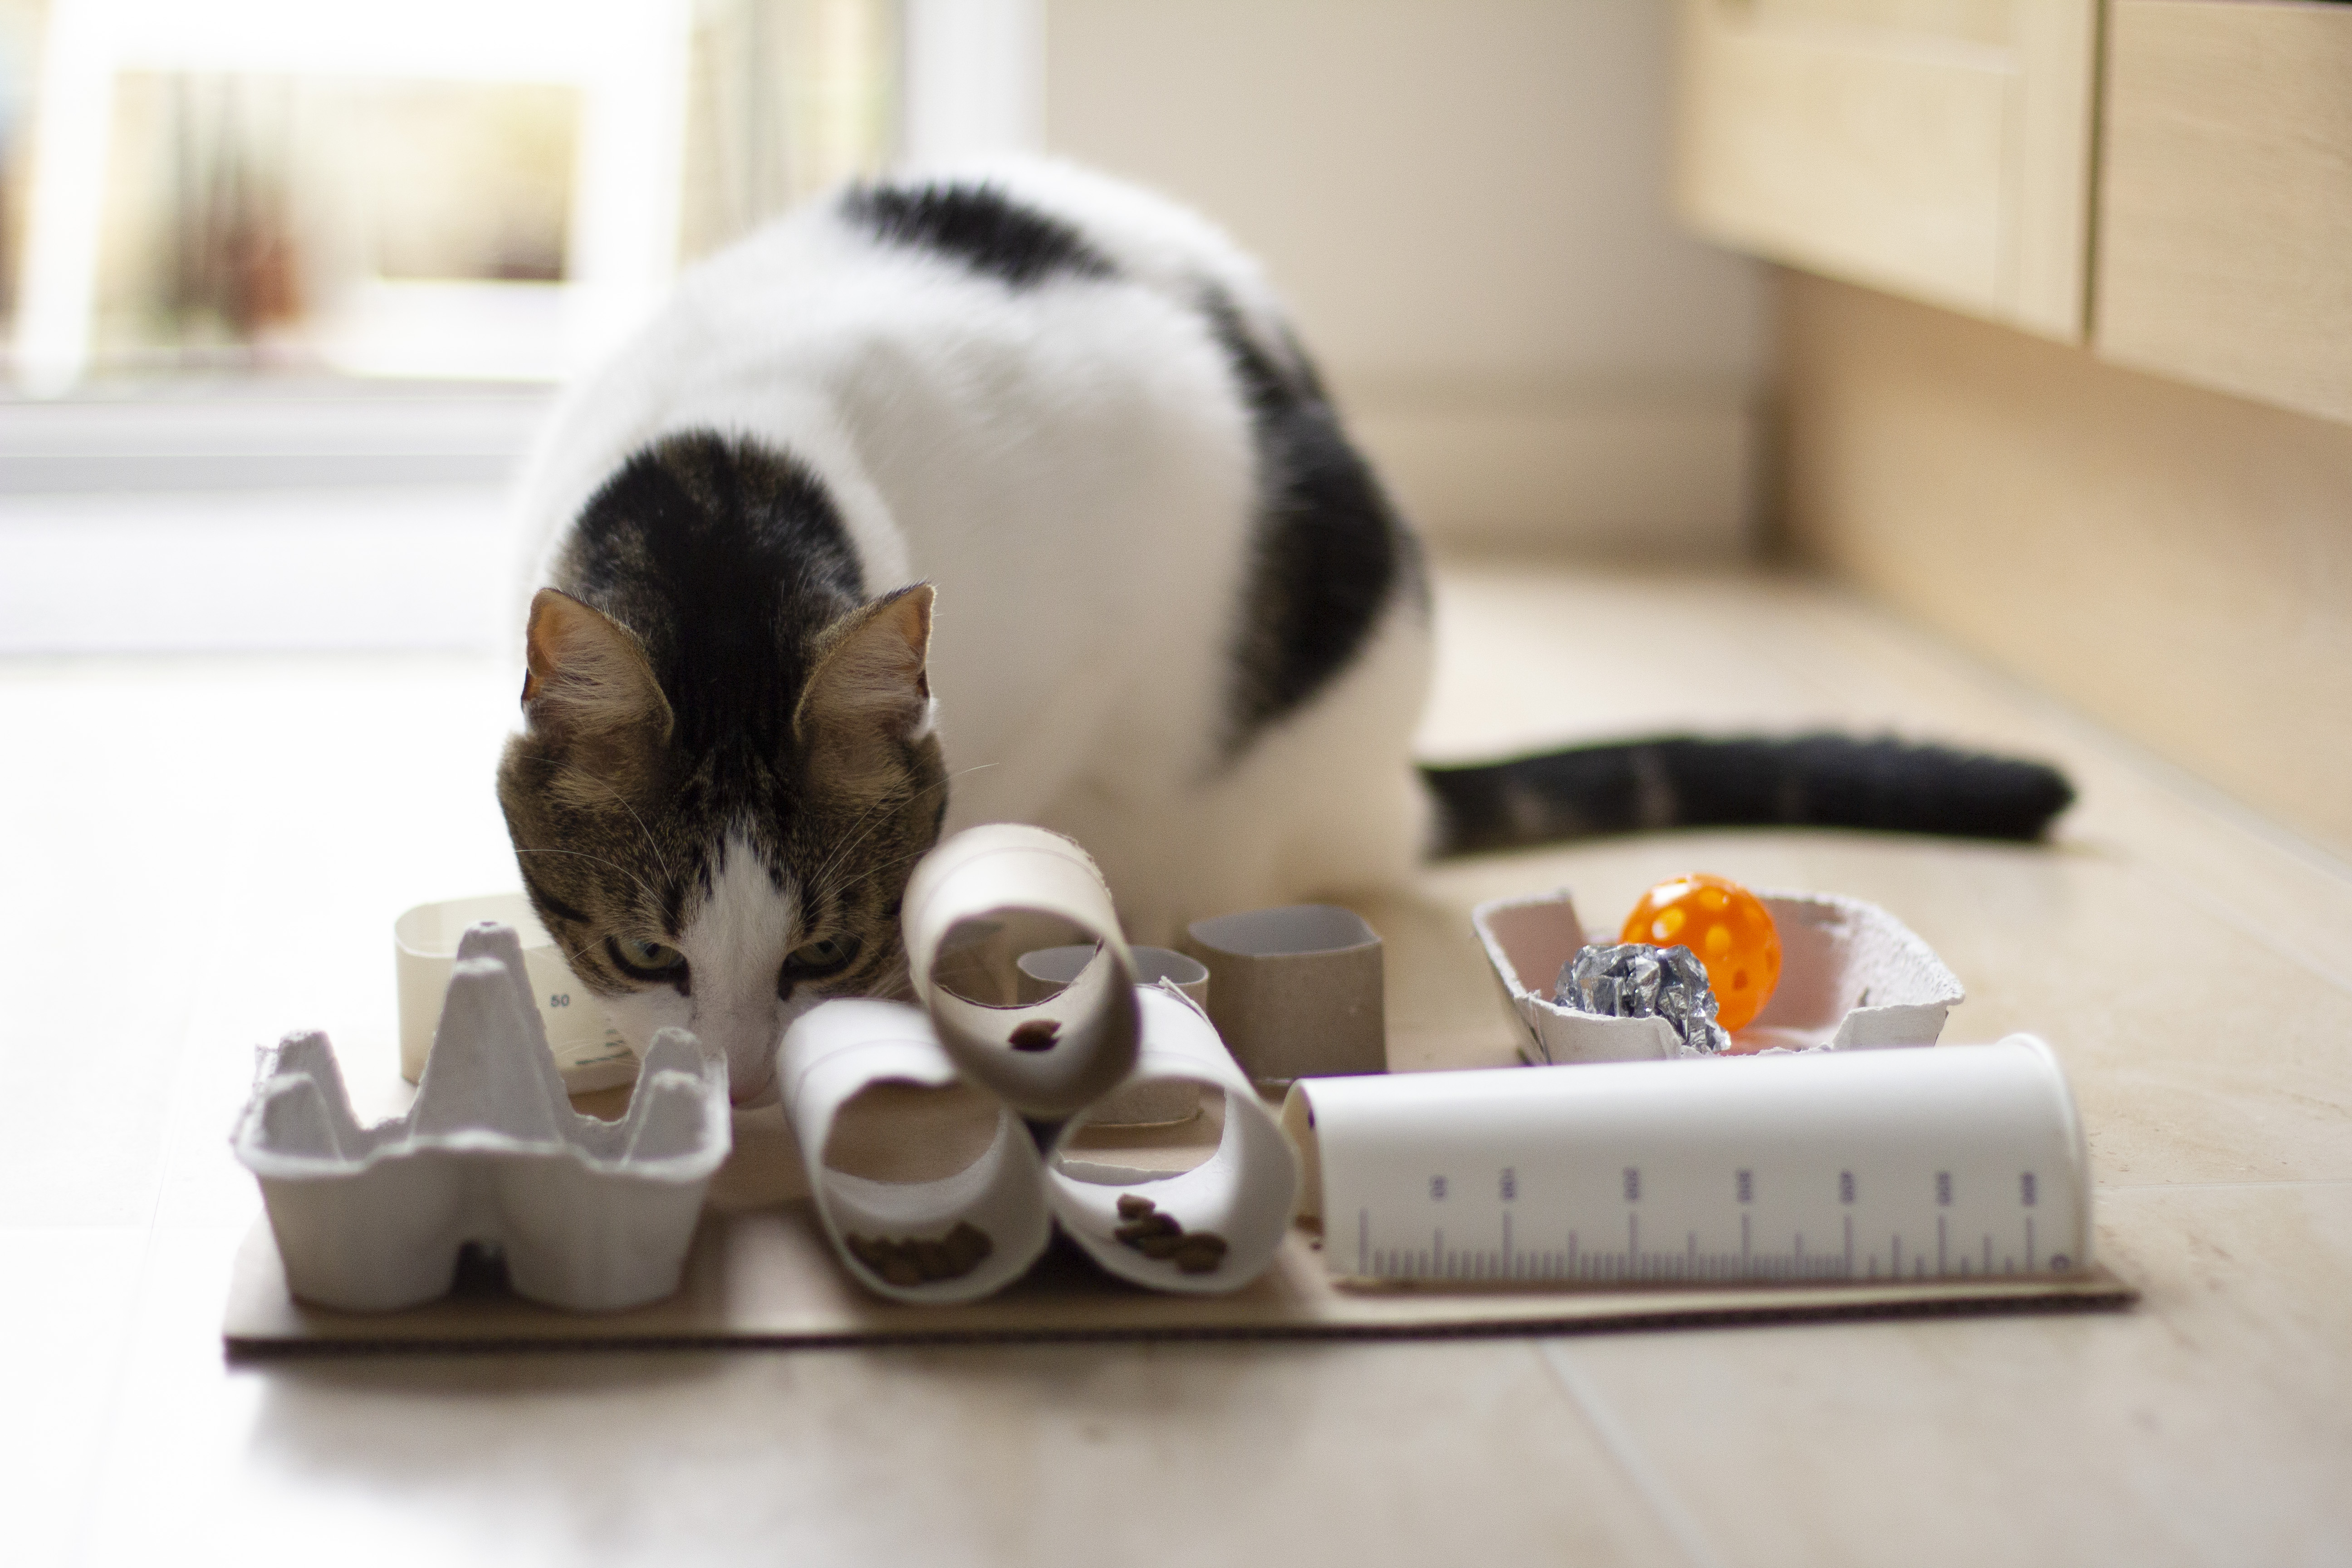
x=588, y=681
x=869, y=684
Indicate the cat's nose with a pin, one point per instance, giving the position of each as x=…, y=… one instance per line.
x=751, y=1070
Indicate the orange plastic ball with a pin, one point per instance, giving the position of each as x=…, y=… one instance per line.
x=1727, y=927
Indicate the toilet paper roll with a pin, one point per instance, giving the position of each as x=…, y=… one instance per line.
x=1237, y=1203
x=1045, y=970
x=1295, y=991
x=1047, y=1059
x=909, y=1240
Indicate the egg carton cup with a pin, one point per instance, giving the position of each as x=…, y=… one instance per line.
x=589, y=1216
x=1853, y=977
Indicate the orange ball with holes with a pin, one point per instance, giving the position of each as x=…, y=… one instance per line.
x=1727, y=927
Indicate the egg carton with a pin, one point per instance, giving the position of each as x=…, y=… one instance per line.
x=1851, y=977
x=588, y=1215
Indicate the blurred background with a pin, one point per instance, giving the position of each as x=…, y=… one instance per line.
x=286, y=286
x=2027, y=319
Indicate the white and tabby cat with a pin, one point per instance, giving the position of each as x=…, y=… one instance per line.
x=1175, y=616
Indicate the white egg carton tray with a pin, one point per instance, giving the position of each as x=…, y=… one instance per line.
x=590, y=1216
x=1851, y=977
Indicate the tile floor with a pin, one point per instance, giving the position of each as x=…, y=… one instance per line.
x=206, y=853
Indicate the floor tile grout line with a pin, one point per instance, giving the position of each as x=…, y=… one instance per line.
x=1657, y=1496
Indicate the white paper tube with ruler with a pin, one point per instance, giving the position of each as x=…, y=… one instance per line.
x=1955, y=1161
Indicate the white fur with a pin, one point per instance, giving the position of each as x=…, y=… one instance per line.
x=1069, y=465
x=734, y=943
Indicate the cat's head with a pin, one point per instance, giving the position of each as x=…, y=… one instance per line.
x=725, y=879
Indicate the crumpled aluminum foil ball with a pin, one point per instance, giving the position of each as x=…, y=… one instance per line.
x=1636, y=981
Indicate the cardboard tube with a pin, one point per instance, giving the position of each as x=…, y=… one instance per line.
x=1047, y=1059
x=588, y=1052
x=1241, y=1197
x=1295, y=991
x=1157, y=1102
x=834, y=1052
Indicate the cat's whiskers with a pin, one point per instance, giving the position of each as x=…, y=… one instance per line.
x=652, y=845
x=643, y=886
x=821, y=876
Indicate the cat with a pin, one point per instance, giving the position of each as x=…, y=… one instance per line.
x=1012, y=496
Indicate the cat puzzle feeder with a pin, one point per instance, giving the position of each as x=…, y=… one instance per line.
x=587, y=1215
x=1851, y=977
x=1078, y=1041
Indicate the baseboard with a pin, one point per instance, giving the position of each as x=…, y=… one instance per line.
x=1642, y=475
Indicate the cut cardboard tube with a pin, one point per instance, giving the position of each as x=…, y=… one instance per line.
x=831, y=1054
x=1243, y=1193
x=1851, y=977
x=588, y=1051
x=1295, y=991
x=1045, y=970
x=1081, y=1042
x=591, y=1215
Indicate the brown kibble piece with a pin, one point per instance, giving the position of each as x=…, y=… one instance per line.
x=1133, y=1206
x=965, y=1246
x=1150, y=1225
x=1200, y=1253
x=1158, y=1246
x=1036, y=1035
x=899, y=1270
x=866, y=1249
x=932, y=1258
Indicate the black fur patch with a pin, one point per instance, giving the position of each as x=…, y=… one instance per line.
x=719, y=555
x=978, y=226
x=1806, y=781
x=1329, y=550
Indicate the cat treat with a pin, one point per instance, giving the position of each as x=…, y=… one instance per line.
x=1046, y=1059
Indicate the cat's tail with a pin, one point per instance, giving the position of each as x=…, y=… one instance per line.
x=1681, y=781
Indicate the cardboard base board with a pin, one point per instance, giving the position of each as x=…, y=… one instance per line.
x=763, y=1278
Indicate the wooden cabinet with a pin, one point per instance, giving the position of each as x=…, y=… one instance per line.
x=2225, y=237
x=1938, y=149
x=2180, y=201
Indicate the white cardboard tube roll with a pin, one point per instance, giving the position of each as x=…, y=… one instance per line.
x=1961, y=1161
x=1045, y=970
x=829, y=1056
x=1005, y=868
x=1243, y=1193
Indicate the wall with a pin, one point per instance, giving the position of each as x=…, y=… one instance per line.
x=1464, y=204
x=2175, y=562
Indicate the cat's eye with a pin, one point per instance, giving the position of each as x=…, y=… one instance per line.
x=817, y=960
x=645, y=959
